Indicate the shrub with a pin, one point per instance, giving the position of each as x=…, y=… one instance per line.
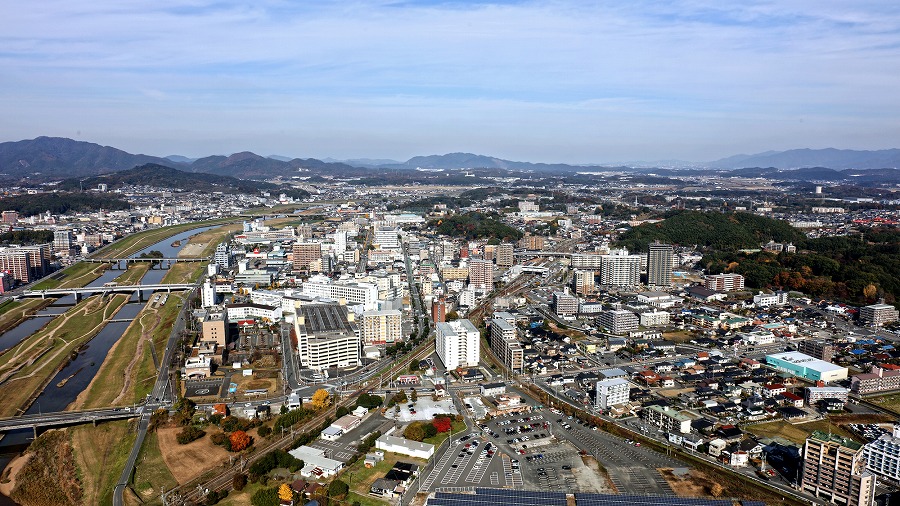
x=188, y=434
x=442, y=424
x=341, y=411
x=239, y=481
x=264, y=431
x=414, y=431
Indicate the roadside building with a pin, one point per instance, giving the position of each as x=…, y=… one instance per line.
x=834, y=469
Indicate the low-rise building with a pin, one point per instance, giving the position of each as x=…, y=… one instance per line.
x=807, y=367
x=404, y=446
x=878, y=314
x=667, y=418
x=315, y=463
x=610, y=392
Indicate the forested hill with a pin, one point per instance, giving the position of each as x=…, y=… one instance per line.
x=160, y=176
x=719, y=231
x=61, y=203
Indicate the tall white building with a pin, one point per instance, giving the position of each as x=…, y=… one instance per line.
x=222, y=256
x=583, y=281
x=611, y=392
x=327, y=336
x=340, y=241
x=458, y=344
x=381, y=327
x=620, y=269
x=209, y=294
x=353, y=293
x=386, y=238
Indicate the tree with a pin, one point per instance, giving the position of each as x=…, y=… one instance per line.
x=442, y=424
x=338, y=489
x=285, y=493
x=188, y=434
x=341, y=411
x=414, y=396
x=265, y=497
x=429, y=430
x=264, y=431
x=320, y=399
x=414, y=364
x=239, y=481
x=414, y=432
x=239, y=440
x=870, y=291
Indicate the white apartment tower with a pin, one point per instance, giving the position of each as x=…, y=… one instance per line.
x=458, y=344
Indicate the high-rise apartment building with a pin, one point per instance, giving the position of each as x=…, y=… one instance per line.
x=10, y=217
x=505, y=255
x=505, y=344
x=327, y=336
x=612, y=391
x=438, y=310
x=305, y=253
x=878, y=314
x=62, y=241
x=381, y=327
x=834, y=469
x=660, y=262
x=882, y=456
x=564, y=303
x=816, y=348
x=584, y=282
x=387, y=238
x=618, y=321
x=481, y=274
x=17, y=263
x=222, y=257
x=619, y=269
x=458, y=344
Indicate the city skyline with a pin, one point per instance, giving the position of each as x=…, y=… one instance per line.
x=561, y=82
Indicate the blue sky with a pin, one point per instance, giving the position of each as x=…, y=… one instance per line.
x=552, y=81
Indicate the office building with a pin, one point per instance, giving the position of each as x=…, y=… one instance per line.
x=834, y=470
x=387, y=238
x=381, y=327
x=481, y=274
x=583, y=281
x=724, y=282
x=878, y=314
x=327, y=336
x=505, y=343
x=882, y=456
x=619, y=269
x=618, y=321
x=610, y=392
x=504, y=255
x=660, y=262
x=458, y=344
x=214, y=328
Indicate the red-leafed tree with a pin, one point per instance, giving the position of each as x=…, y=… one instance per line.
x=239, y=440
x=442, y=424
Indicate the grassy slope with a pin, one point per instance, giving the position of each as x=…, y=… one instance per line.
x=151, y=473
x=74, y=276
x=101, y=453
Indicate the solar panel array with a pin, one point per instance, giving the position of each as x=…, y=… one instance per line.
x=506, y=497
x=493, y=497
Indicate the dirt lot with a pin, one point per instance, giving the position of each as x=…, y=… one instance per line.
x=693, y=484
x=187, y=461
x=592, y=478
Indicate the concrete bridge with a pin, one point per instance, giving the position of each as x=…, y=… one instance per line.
x=106, y=290
x=539, y=253
x=122, y=263
x=34, y=422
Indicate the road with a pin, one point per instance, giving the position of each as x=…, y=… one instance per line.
x=161, y=396
x=67, y=418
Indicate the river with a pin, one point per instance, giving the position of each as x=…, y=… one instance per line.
x=84, y=367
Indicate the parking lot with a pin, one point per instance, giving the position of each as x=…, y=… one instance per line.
x=471, y=462
x=344, y=448
x=631, y=468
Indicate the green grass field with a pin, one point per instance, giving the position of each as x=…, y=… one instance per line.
x=74, y=276
x=101, y=453
x=151, y=473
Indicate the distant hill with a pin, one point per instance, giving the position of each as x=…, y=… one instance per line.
x=160, y=176
x=55, y=157
x=62, y=202
x=180, y=159
x=832, y=158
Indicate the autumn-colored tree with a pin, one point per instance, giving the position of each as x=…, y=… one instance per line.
x=285, y=493
x=320, y=399
x=442, y=424
x=870, y=291
x=239, y=440
x=414, y=432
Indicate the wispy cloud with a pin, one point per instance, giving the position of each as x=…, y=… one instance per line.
x=556, y=80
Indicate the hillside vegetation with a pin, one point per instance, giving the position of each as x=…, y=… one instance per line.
x=711, y=230
x=475, y=226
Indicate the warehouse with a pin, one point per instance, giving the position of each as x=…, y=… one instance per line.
x=807, y=367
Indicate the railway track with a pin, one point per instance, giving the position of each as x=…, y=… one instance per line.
x=194, y=493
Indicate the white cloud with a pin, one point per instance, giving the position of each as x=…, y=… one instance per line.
x=552, y=80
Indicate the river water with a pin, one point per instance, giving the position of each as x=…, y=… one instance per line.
x=82, y=369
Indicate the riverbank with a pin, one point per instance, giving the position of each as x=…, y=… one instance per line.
x=8, y=475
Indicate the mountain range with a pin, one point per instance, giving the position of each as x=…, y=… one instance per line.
x=56, y=158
